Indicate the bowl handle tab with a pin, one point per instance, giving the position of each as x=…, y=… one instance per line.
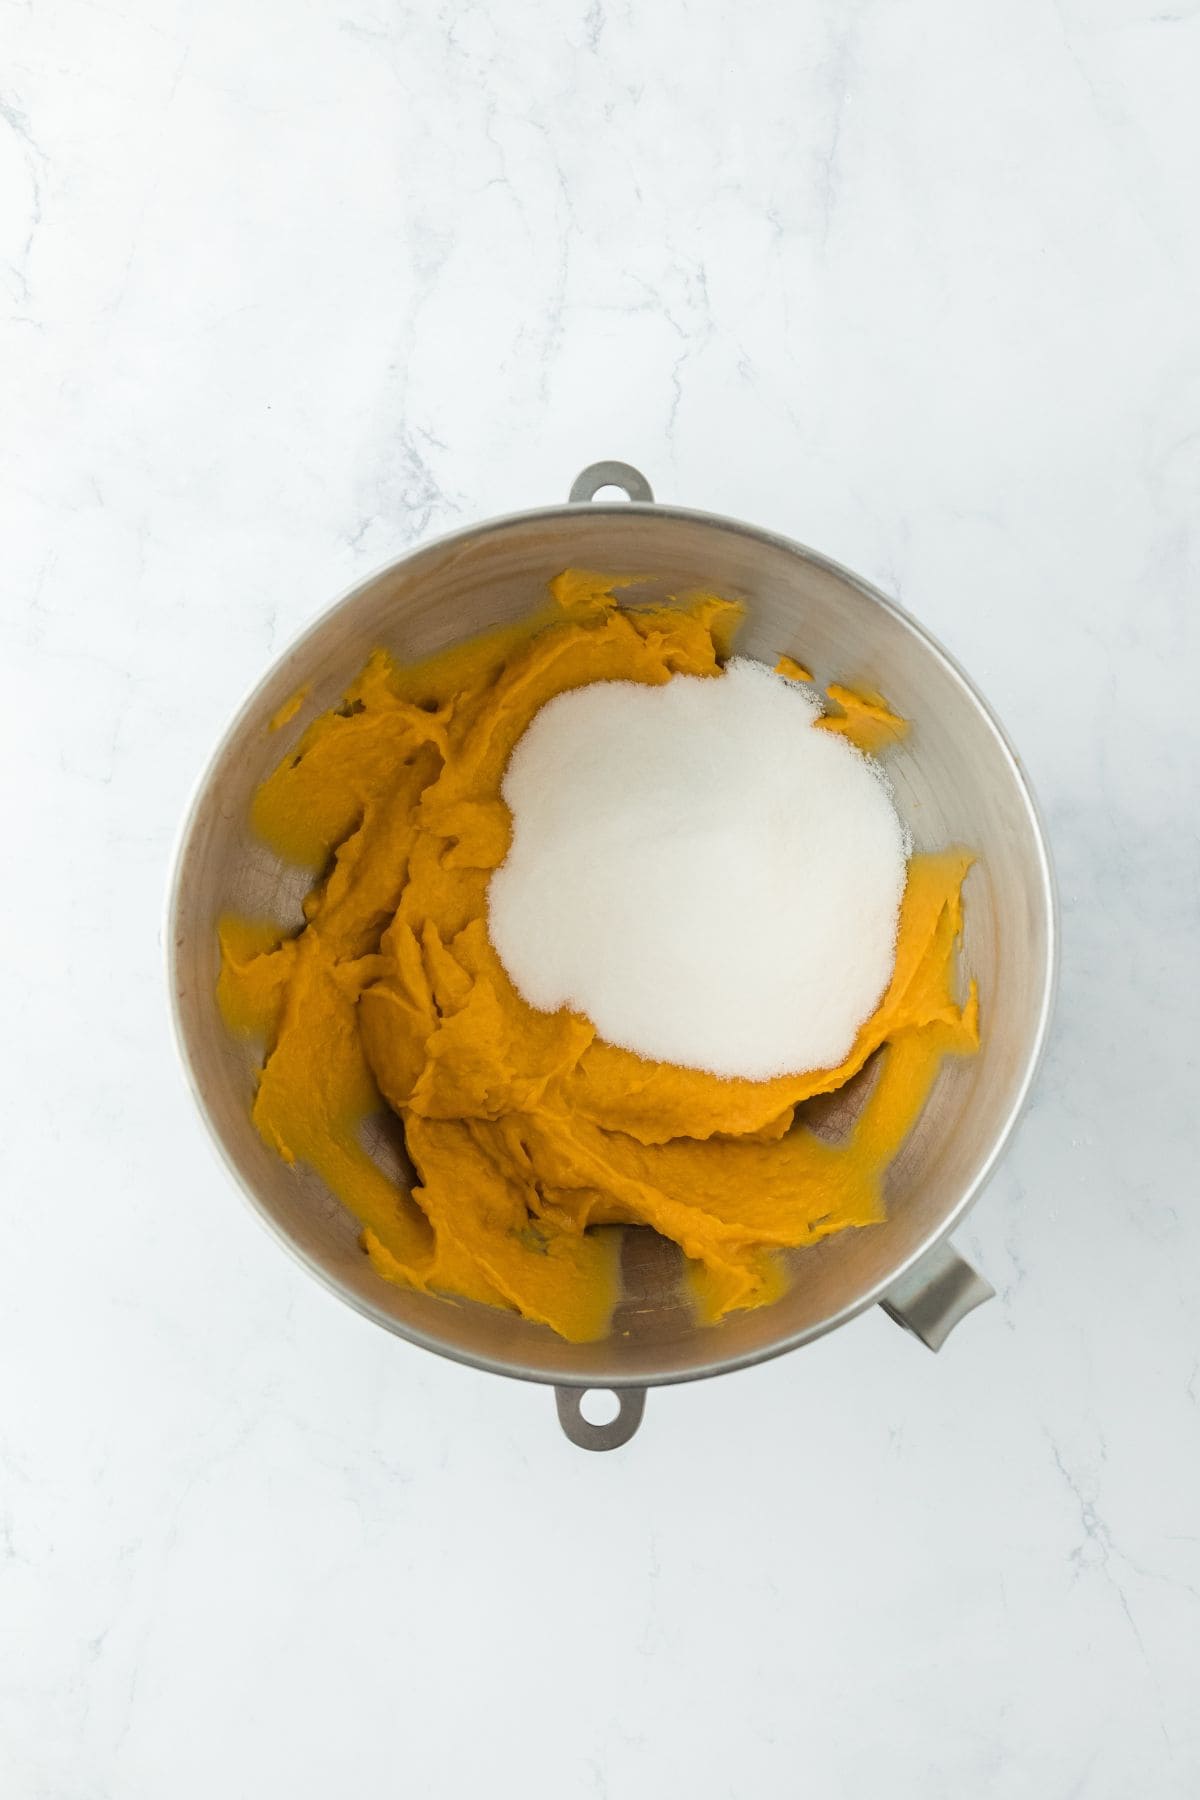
x=938, y=1291
x=621, y=475
x=631, y=1404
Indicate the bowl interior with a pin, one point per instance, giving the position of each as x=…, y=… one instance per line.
x=955, y=782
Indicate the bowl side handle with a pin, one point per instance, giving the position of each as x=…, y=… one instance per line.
x=935, y=1294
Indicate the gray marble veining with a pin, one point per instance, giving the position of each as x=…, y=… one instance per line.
x=285, y=288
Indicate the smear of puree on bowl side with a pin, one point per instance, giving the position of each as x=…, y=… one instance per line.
x=529, y=1135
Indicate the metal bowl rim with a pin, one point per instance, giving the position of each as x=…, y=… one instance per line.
x=717, y=1364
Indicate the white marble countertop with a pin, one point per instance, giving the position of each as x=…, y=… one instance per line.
x=288, y=287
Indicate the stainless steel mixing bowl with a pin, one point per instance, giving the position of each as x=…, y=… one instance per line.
x=957, y=780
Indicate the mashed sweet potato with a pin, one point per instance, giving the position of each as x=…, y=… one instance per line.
x=528, y=1135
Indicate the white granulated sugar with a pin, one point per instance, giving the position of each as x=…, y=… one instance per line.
x=707, y=878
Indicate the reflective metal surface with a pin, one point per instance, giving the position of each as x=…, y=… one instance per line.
x=932, y=1297
x=631, y=1404
x=956, y=781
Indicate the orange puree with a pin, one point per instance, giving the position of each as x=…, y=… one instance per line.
x=529, y=1136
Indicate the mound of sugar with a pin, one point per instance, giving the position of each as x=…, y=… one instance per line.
x=707, y=878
